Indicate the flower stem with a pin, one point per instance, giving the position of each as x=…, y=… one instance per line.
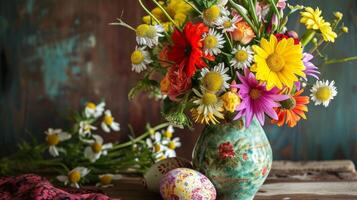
x=244, y=15
x=328, y=62
x=141, y=137
x=166, y=14
x=193, y=6
x=122, y=23
x=307, y=37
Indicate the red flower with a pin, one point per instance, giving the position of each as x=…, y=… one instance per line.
x=280, y=36
x=187, y=48
x=179, y=82
x=226, y=150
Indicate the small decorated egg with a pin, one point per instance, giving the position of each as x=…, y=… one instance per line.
x=186, y=184
x=159, y=169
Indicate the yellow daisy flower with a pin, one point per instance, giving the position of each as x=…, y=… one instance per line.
x=177, y=9
x=313, y=20
x=278, y=63
x=230, y=101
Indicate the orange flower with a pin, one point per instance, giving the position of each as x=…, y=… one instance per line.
x=163, y=60
x=165, y=85
x=244, y=33
x=292, y=110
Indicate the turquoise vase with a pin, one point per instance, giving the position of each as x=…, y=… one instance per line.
x=235, y=158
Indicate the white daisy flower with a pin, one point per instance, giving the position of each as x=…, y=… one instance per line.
x=227, y=24
x=157, y=147
x=140, y=58
x=108, y=122
x=74, y=176
x=85, y=128
x=170, y=151
x=215, y=79
x=323, y=92
x=105, y=180
x=168, y=133
x=211, y=15
x=212, y=42
x=148, y=35
x=243, y=57
x=54, y=137
x=93, y=110
x=209, y=106
x=96, y=148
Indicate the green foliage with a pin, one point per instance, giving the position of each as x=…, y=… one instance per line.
x=145, y=85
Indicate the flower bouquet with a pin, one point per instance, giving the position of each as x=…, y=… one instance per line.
x=230, y=64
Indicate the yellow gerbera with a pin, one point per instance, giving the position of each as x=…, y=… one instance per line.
x=278, y=62
x=177, y=9
x=313, y=20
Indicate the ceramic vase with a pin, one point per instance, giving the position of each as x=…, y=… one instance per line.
x=235, y=158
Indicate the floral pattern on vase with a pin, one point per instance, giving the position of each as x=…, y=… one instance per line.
x=236, y=159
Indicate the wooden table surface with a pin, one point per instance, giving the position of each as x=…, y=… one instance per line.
x=327, y=180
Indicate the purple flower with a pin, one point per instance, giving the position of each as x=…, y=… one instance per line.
x=310, y=68
x=256, y=99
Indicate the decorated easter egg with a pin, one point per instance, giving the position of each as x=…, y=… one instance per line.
x=158, y=170
x=186, y=184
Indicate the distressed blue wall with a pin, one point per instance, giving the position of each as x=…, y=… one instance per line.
x=55, y=55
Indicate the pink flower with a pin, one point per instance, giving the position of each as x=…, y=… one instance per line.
x=256, y=99
x=226, y=150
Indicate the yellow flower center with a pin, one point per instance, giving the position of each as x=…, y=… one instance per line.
x=157, y=147
x=96, y=147
x=142, y=30
x=106, y=179
x=108, y=120
x=137, y=57
x=168, y=134
x=275, y=62
x=212, y=13
x=172, y=145
x=210, y=42
x=323, y=93
x=230, y=101
x=91, y=105
x=151, y=32
x=213, y=81
x=241, y=56
x=53, y=139
x=255, y=94
x=209, y=99
x=74, y=176
x=227, y=24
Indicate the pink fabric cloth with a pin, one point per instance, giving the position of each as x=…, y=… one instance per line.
x=30, y=186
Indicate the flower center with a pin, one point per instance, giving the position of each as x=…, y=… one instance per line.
x=168, y=134
x=108, y=120
x=151, y=32
x=210, y=42
x=172, y=145
x=137, y=57
x=241, y=56
x=209, y=99
x=212, y=13
x=275, y=62
x=157, y=147
x=323, y=93
x=288, y=104
x=142, y=30
x=74, y=176
x=91, y=105
x=96, y=147
x=255, y=94
x=213, y=81
x=227, y=24
x=53, y=139
x=188, y=50
x=106, y=179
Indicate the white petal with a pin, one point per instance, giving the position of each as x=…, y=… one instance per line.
x=62, y=178
x=53, y=151
x=98, y=139
x=64, y=136
x=115, y=126
x=105, y=127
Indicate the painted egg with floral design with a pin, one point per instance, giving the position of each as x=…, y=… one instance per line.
x=159, y=169
x=186, y=184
